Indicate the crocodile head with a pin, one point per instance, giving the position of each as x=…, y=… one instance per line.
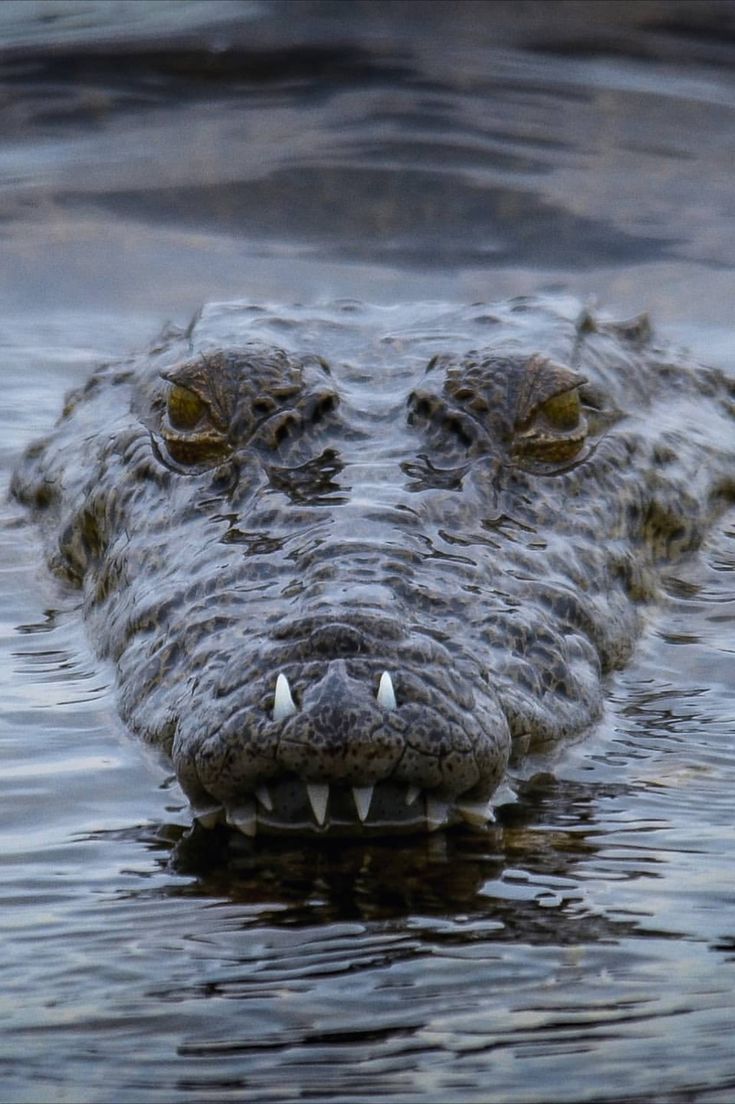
x=349, y=562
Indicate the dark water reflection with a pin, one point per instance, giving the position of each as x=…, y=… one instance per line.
x=399, y=214
x=157, y=155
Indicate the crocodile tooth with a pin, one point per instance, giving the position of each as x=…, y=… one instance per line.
x=412, y=793
x=263, y=795
x=505, y=795
x=208, y=815
x=386, y=693
x=476, y=815
x=283, y=703
x=244, y=818
x=318, y=794
x=437, y=812
x=363, y=795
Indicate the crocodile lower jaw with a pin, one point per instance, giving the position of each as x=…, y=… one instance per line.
x=290, y=806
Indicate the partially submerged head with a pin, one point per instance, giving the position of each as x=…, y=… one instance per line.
x=344, y=570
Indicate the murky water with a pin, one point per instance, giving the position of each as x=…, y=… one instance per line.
x=157, y=155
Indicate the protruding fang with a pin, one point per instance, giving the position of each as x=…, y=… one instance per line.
x=412, y=793
x=436, y=812
x=283, y=703
x=263, y=795
x=363, y=795
x=208, y=815
x=244, y=818
x=386, y=693
x=477, y=816
x=318, y=794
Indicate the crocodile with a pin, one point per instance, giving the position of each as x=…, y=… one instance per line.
x=352, y=564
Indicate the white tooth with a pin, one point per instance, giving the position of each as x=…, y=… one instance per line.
x=263, y=795
x=436, y=812
x=476, y=815
x=505, y=795
x=318, y=794
x=363, y=795
x=386, y=693
x=283, y=703
x=243, y=817
x=207, y=815
x=412, y=793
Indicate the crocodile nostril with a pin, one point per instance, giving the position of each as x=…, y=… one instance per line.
x=337, y=640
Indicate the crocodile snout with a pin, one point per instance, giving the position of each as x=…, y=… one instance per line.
x=358, y=750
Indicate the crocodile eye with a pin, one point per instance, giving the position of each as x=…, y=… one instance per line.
x=555, y=432
x=188, y=431
x=553, y=451
x=185, y=409
x=562, y=411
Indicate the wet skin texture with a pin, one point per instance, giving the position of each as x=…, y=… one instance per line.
x=350, y=562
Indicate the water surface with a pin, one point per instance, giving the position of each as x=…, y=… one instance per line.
x=154, y=156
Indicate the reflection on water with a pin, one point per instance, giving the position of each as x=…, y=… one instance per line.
x=156, y=155
x=468, y=149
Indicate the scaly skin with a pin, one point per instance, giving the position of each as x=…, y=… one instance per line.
x=348, y=561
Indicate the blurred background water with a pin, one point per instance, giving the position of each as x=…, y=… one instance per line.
x=154, y=155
